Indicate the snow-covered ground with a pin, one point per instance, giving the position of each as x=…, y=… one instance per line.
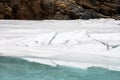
x=77, y=43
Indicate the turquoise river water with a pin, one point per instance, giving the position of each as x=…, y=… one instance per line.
x=19, y=69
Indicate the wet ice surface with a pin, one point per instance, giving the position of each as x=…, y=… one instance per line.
x=93, y=42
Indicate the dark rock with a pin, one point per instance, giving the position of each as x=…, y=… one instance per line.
x=5, y=12
x=80, y=13
x=75, y=12
x=106, y=7
x=59, y=9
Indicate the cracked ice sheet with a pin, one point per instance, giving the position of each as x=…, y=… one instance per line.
x=65, y=42
x=110, y=38
x=19, y=38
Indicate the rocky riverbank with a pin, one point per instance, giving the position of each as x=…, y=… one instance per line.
x=59, y=9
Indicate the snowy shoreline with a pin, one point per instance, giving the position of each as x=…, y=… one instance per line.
x=76, y=43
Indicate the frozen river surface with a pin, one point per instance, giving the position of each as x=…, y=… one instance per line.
x=76, y=43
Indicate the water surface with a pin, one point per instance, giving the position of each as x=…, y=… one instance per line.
x=19, y=69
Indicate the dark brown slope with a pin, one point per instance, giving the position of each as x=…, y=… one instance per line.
x=59, y=9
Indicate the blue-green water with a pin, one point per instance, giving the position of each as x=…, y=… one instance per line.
x=19, y=69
